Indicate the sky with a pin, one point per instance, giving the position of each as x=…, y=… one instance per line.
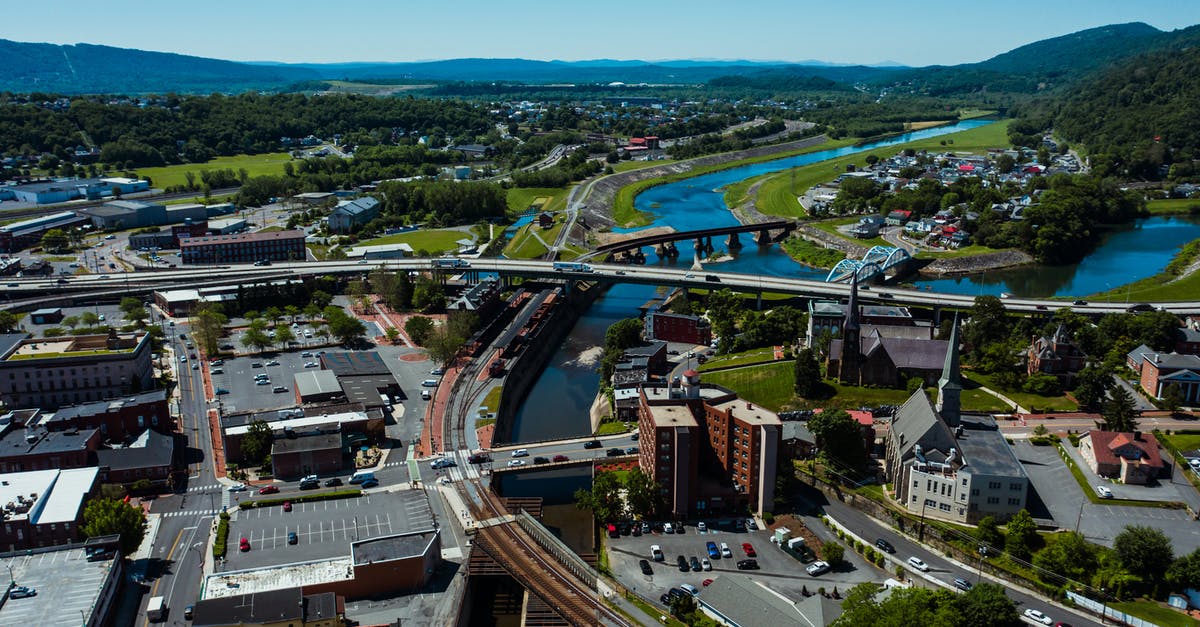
x=926, y=32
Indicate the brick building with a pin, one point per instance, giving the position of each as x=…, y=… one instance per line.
x=117, y=419
x=1131, y=458
x=710, y=451
x=295, y=456
x=27, y=447
x=44, y=507
x=1057, y=355
x=152, y=456
x=53, y=372
x=1159, y=371
x=244, y=247
x=678, y=328
x=270, y=608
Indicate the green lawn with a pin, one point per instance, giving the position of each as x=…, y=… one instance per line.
x=492, y=401
x=770, y=385
x=1173, y=206
x=254, y=165
x=830, y=226
x=520, y=199
x=752, y=356
x=811, y=254
x=1183, y=441
x=435, y=241
x=612, y=427
x=1024, y=399
x=524, y=245
x=1156, y=613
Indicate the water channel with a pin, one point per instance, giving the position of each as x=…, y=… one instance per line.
x=557, y=405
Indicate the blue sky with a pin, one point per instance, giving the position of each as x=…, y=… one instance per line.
x=846, y=31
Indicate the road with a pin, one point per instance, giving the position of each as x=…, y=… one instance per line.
x=33, y=291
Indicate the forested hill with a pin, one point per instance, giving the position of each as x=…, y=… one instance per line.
x=1142, y=113
x=86, y=68
x=1077, y=52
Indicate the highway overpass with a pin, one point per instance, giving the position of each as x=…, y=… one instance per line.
x=35, y=292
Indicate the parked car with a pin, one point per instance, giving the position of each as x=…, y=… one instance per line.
x=220, y=391
x=22, y=592
x=1104, y=492
x=689, y=588
x=682, y=562
x=885, y=546
x=646, y=570
x=244, y=545
x=817, y=568
x=747, y=565
x=592, y=444
x=962, y=584
x=713, y=551
x=703, y=527
x=749, y=549
x=695, y=562
x=918, y=564
x=1037, y=616
x=561, y=458
x=237, y=487
x=292, y=537
x=287, y=506
x=656, y=553
x=668, y=528
x=705, y=564
x=725, y=552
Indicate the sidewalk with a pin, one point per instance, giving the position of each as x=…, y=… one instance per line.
x=1011, y=403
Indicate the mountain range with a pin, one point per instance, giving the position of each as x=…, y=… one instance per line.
x=87, y=68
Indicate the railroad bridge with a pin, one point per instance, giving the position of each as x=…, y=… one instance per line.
x=701, y=239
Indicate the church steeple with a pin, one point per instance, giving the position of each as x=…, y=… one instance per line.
x=949, y=404
x=852, y=323
x=851, y=339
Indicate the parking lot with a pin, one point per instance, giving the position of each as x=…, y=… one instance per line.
x=324, y=529
x=1058, y=496
x=244, y=392
x=784, y=573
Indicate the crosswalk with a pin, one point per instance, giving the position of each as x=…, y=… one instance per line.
x=393, y=464
x=204, y=488
x=463, y=471
x=190, y=514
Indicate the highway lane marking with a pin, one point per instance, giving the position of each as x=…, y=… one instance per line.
x=154, y=588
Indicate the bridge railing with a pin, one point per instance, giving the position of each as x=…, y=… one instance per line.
x=556, y=548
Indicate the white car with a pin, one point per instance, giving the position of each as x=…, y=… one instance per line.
x=918, y=564
x=515, y=462
x=725, y=552
x=520, y=453
x=817, y=568
x=237, y=487
x=1104, y=492
x=668, y=528
x=702, y=527
x=657, y=553
x=705, y=564
x=1194, y=463
x=1037, y=616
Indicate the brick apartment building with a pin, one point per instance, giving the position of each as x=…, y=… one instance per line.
x=709, y=450
x=53, y=372
x=117, y=419
x=44, y=507
x=678, y=328
x=243, y=247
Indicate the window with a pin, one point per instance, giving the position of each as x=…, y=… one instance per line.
x=964, y=482
x=993, y=500
x=930, y=502
x=945, y=507
x=975, y=492
x=1014, y=487
x=1014, y=501
x=993, y=485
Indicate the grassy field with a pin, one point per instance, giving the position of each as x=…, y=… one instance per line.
x=372, y=89
x=520, y=198
x=777, y=196
x=1173, y=206
x=434, y=241
x=254, y=165
x=916, y=126
x=770, y=385
x=492, y=400
x=1024, y=399
x=1183, y=442
x=811, y=254
x=1156, y=613
x=524, y=245
x=752, y=356
x=831, y=227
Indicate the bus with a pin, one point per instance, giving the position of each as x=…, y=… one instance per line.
x=571, y=266
x=156, y=609
x=451, y=263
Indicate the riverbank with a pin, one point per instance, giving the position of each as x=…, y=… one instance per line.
x=971, y=264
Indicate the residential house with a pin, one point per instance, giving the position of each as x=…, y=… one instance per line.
x=1057, y=355
x=1131, y=458
x=1158, y=371
x=351, y=214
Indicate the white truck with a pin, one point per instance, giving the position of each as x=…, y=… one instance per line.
x=156, y=609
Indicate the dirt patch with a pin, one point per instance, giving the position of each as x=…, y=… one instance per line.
x=613, y=238
x=414, y=357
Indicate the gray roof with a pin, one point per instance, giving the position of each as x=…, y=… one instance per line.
x=357, y=363
x=797, y=430
x=366, y=389
x=1171, y=361
x=355, y=207
x=9, y=341
x=319, y=442
x=395, y=547
x=648, y=350
x=314, y=382
x=157, y=450
x=97, y=408
x=1138, y=354
x=986, y=452
x=748, y=604
x=14, y=443
x=916, y=422
x=272, y=606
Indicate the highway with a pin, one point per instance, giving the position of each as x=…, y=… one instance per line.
x=33, y=291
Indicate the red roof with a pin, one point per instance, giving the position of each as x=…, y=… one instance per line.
x=1109, y=446
x=966, y=167
x=637, y=140
x=950, y=229
x=651, y=137
x=865, y=418
x=690, y=373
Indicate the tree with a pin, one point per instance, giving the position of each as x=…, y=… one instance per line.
x=89, y=318
x=1118, y=411
x=321, y=299
x=904, y=607
x=833, y=553
x=462, y=324
x=10, y=321
x=70, y=322
x=604, y=499
x=134, y=310
x=284, y=335
x=986, y=605
x=273, y=314
x=1092, y=385
x=343, y=326
x=1185, y=571
x=988, y=323
x=642, y=494
x=1145, y=552
x=724, y=310
x=55, y=240
x=839, y=437
x=807, y=374
x=1022, y=535
x=256, y=335
x=256, y=443
x=208, y=325
x=428, y=295
x=419, y=329
x=312, y=311
x=291, y=311
x=1172, y=398
x=623, y=334
x=105, y=516
x=988, y=533
x=1069, y=555
x=443, y=345
x=392, y=335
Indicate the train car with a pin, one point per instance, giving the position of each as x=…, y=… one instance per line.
x=451, y=263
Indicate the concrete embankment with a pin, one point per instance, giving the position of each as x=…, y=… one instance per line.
x=976, y=263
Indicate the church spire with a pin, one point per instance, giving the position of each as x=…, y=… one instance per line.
x=950, y=385
x=852, y=306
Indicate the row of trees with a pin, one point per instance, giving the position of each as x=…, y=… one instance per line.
x=616, y=497
x=442, y=341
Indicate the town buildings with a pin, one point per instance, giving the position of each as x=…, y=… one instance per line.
x=85, y=579
x=271, y=608
x=884, y=355
x=673, y=327
x=116, y=419
x=53, y=372
x=711, y=452
x=44, y=507
x=351, y=214
x=244, y=247
x=1158, y=372
x=62, y=190
x=1131, y=458
x=1056, y=355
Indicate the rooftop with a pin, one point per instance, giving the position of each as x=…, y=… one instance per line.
x=299, y=444
x=395, y=547
x=259, y=236
x=748, y=412
x=103, y=407
x=672, y=416
x=357, y=363
x=296, y=574
x=46, y=496
x=1135, y=448
x=305, y=422
x=986, y=452
x=70, y=346
x=368, y=389
x=151, y=449
x=747, y=603
x=38, y=441
x=66, y=583
x=314, y=382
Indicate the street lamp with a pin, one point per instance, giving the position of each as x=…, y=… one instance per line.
x=921, y=530
x=12, y=581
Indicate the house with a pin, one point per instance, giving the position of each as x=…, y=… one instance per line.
x=672, y=327
x=867, y=227
x=269, y=608
x=151, y=457
x=897, y=217
x=1131, y=458
x=1186, y=339
x=349, y=214
x=1056, y=355
x=1159, y=371
x=473, y=151
x=545, y=220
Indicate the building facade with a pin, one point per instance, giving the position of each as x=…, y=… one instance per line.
x=678, y=328
x=244, y=248
x=1131, y=458
x=351, y=214
x=44, y=507
x=1055, y=355
x=53, y=372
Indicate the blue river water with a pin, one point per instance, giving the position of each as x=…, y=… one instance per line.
x=557, y=405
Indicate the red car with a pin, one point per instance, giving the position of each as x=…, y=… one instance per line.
x=749, y=550
x=560, y=458
x=287, y=506
x=270, y=489
x=706, y=582
x=244, y=545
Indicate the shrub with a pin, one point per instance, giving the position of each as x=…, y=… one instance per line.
x=222, y=536
x=768, y=518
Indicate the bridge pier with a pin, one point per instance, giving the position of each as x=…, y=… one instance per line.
x=668, y=249
x=758, y=302
x=763, y=238
x=732, y=242
x=698, y=244
x=708, y=247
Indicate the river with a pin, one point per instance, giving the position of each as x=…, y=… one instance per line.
x=557, y=405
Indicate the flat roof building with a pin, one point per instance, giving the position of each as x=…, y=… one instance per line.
x=118, y=418
x=44, y=507
x=76, y=583
x=314, y=386
x=53, y=372
x=270, y=608
x=244, y=247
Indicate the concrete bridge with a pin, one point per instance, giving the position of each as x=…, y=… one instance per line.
x=702, y=238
